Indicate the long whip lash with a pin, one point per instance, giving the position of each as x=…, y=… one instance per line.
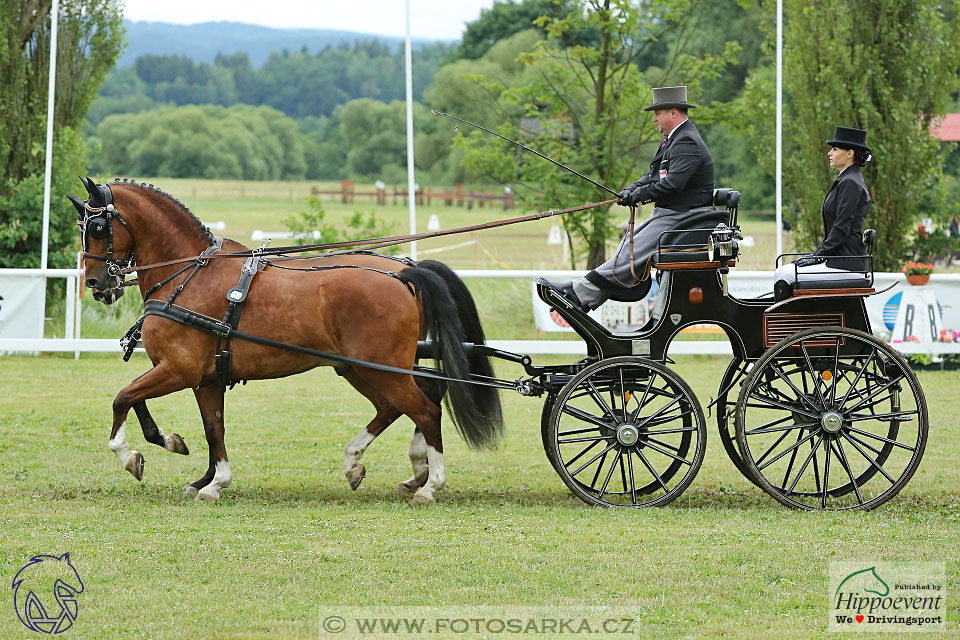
x=525, y=148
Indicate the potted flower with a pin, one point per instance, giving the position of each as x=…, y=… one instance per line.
x=917, y=273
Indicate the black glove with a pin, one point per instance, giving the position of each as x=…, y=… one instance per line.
x=808, y=261
x=624, y=197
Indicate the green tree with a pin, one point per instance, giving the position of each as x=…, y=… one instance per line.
x=584, y=104
x=888, y=66
x=504, y=19
x=89, y=42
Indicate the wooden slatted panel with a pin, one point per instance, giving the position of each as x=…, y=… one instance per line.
x=777, y=326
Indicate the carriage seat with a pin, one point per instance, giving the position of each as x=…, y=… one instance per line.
x=687, y=242
x=864, y=284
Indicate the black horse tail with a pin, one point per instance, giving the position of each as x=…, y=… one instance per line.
x=451, y=319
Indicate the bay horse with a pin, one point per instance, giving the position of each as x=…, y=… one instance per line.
x=371, y=308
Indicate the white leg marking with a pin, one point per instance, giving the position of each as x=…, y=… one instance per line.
x=119, y=445
x=436, y=478
x=221, y=480
x=355, y=449
x=418, y=459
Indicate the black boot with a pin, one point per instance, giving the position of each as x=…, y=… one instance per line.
x=566, y=290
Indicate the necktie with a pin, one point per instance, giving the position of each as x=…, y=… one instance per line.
x=663, y=142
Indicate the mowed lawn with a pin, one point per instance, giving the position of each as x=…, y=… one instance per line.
x=288, y=536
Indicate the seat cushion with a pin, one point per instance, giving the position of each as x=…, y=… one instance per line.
x=839, y=283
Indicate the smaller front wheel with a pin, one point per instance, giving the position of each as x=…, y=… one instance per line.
x=626, y=432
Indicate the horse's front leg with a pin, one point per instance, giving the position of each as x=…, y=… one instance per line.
x=153, y=434
x=157, y=382
x=218, y=475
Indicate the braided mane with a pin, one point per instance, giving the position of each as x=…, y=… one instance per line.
x=183, y=207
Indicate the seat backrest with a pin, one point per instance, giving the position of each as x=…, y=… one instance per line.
x=726, y=198
x=869, y=238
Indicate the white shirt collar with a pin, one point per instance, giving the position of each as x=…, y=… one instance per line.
x=670, y=135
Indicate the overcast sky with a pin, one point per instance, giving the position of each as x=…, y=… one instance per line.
x=434, y=19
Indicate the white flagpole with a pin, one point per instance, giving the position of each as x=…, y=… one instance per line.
x=411, y=195
x=779, y=176
x=54, y=14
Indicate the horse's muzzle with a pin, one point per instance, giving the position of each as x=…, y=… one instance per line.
x=109, y=294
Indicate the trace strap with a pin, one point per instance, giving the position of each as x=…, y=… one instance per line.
x=375, y=243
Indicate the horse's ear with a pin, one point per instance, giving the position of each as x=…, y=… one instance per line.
x=91, y=187
x=66, y=556
x=78, y=204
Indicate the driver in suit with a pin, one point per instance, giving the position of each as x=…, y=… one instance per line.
x=679, y=182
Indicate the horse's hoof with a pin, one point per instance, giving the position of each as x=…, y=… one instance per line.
x=422, y=497
x=356, y=475
x=135, y=465
x=404, y=490
x=208, y=493
x=190, y=491
x=176, y=444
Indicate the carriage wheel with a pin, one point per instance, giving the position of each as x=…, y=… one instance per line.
x=831, y=419
x=626, y=432
x=726, y=421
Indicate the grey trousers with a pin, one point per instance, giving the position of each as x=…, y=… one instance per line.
x=616, y=270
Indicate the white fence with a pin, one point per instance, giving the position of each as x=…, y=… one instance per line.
x=73, y=342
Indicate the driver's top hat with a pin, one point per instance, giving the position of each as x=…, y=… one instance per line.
x=849, y=138
x=670, y=98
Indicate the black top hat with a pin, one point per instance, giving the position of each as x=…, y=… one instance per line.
x=848, y=138
x=670, y=98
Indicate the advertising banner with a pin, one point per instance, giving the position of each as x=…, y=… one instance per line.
x=21, y=306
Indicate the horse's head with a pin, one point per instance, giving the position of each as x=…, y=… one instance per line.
x=107, y=243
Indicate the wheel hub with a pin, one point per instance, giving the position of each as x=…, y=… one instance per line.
x=831, y=421
x=628, y=434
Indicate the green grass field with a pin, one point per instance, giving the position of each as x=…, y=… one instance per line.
x=289, y=536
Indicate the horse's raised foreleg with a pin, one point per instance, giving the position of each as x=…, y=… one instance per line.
x=153, y=384
x=153, y=434
x=218, y=475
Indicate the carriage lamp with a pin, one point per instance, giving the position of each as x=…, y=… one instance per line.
x=722, y=246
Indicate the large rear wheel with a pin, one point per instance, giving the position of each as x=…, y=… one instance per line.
x=831, y=419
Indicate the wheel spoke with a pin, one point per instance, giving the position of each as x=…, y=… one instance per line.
x=606, y=481
x=623, y=396
x=667, y=453
x=580, y=414
x=803, y=467
x=783, y=376
x=664, y=444
x=650, y=422
x=599, y=399
x=866, y=363
x=788, y=450
x=870, y=405
x=869, y=459
x=652, y=471
x=882, y=439
x=881, y=416
x=633, y=486
x=846, y=466
x=576, y=432
x=588, y=439
x=836, y=366
x=580, y=455
x=776, y=404
x=826, y=475
x=813, y=373
x=772, y=447
x=646, y=420
x=596, y=476
x=882, y=388
x=793, y=458
x=677, y=430
x=789, y=427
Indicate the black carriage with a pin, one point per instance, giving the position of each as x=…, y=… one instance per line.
x=812, y=408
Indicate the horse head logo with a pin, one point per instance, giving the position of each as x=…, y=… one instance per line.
x=867, y=581
x=45, y=593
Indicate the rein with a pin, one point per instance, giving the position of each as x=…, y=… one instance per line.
x=375, y=243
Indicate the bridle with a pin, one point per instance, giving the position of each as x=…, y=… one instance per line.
x=97, y=223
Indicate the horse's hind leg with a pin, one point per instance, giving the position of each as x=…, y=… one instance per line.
x=386, y=415
x=153, y=434
x=434, y=390
x=153, y=384
x=218, y=475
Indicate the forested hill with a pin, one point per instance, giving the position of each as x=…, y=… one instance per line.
x=202, y=42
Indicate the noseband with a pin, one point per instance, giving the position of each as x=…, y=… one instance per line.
x=97, y=223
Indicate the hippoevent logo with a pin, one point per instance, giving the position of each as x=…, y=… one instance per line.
x=45, y=593
x=892, y=596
